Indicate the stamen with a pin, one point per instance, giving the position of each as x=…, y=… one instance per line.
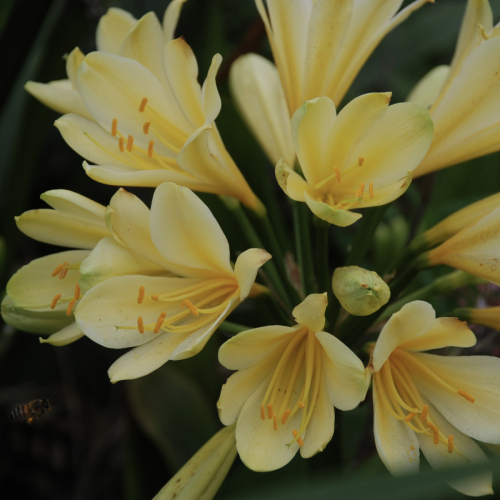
x=121, y=144
x=54, y=300
x=187, y=303
x=114, y=127
x=360, y=191
x=77, y=291
x=57, y=270
x=140, y=297
x=467, y=396
x=337, y=173
x=63, y=273
x=142, y=107
x=150, y=148
x=155, y=297
x=140, y=324
x=275, y=422
x=361, y=160
x=409, y=416
x=262, y=412
x=130, y=143
x=435, y=432
x=145, y=127
x=160, y=321
x=70, y=307
x=450, y=444
x=423, y=416
x=371, y=189
x=284, y=418
x=302, y=404
x=270, y=411
x=300, y=442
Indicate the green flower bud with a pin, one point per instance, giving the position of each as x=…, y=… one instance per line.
x=360, y=292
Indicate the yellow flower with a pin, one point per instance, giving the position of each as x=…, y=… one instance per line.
x=204, y=472
x=288, y=381
x=463, y=99
x=433, y=403
x=164, y=317
x=361, y=158
x=475, y=249
x=41, y=296
x=147, y=118
x=319, y=48
x=487, y=316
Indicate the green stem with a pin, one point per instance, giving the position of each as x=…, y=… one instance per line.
x=303, y=247
x=233, y=328
x=271, y=304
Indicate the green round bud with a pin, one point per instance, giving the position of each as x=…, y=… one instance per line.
x=360, y=292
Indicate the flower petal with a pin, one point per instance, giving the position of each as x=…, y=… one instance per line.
x=476, y=375
x=292, y=183
x=443, y=333
x=429, y=87
x=333, y=215
x=170, y=19
x=210, y=95
x=344, y=373
x=311, y=312
x=185, y=231
x=246, y=267
x=390, y=192
x=257, y=91
x=112, y=30
x=251, y=346
x=67, y=335
x=413, y=319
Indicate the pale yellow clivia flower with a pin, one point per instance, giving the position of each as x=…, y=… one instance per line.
x=146, y=119
x=288, y=381
x=163, y=317
x=318, y=46
x=362, y=157
x=436, y=404
x=464, y=98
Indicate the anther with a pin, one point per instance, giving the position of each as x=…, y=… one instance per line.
x=77, y=291
x=275, y=422
x=130, y=143
x=360, y=191
x=371, y=189
x=155, y=297
x=302, y=405
x=337, y=173
x=140, y=297
x=467, y=396
x=54, y=300
x=409, y=416
x=435, y=432
x=299, y=439
x=423, y=415
x=64, y=272
x=270, y=412
x=150, y=148
x=69, y=310
x=145, y=127
x=262, y=412
x=284, y=418
x=58, y=269
x=160, y=321
x=187, y=303
x=142, y=107
x=361, y=160
x=140, y=324
x=121, y=144
x=114, y=127
x=450, y=444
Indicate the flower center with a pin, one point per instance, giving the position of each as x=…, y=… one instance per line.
x=302, y=354
x=401, y=398
x=62, y=270
x=218, y=293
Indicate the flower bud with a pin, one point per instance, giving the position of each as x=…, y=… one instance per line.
x=360, y=292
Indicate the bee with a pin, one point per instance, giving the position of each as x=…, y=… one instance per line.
x=30, y=411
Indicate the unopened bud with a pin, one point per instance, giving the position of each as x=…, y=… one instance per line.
x=359, y=291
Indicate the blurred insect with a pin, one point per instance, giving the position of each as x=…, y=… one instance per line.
x=30, y=411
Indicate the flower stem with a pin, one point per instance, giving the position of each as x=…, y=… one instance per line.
x=303, y=247
x=233, y=328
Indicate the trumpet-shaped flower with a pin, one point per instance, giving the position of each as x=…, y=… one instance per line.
x=433, y=403
x=361, y=158
x=164, y=317
x=319, y=46
x=147, y=120
x=464, y=98
x=288, y=381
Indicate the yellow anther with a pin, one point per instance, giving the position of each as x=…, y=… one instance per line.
x=409, y=416
x=262, y=412
x=270, y=412
x=435, y=432
x=121, y=144
x=284, y=418
x=142, y=107
x=160, y=321
x=114, y=127
x=187, y=303
x=130, y=143
x=63, y=273
x=337, y=173
x=360, y=191
x=57, y=270
x=140, y=297
x=69, y=310
x=155, y=297
x=423, y=415
x=77, y=291
x=300, y=442
x=467, y=396
x=450, y=444
x=150, y=148
x=302, y=404
x=145, y=127
x=140, y=324
x=361, y=160
x=295, y=432
x=371, y=189
x=57, y=296
x=275, y=422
